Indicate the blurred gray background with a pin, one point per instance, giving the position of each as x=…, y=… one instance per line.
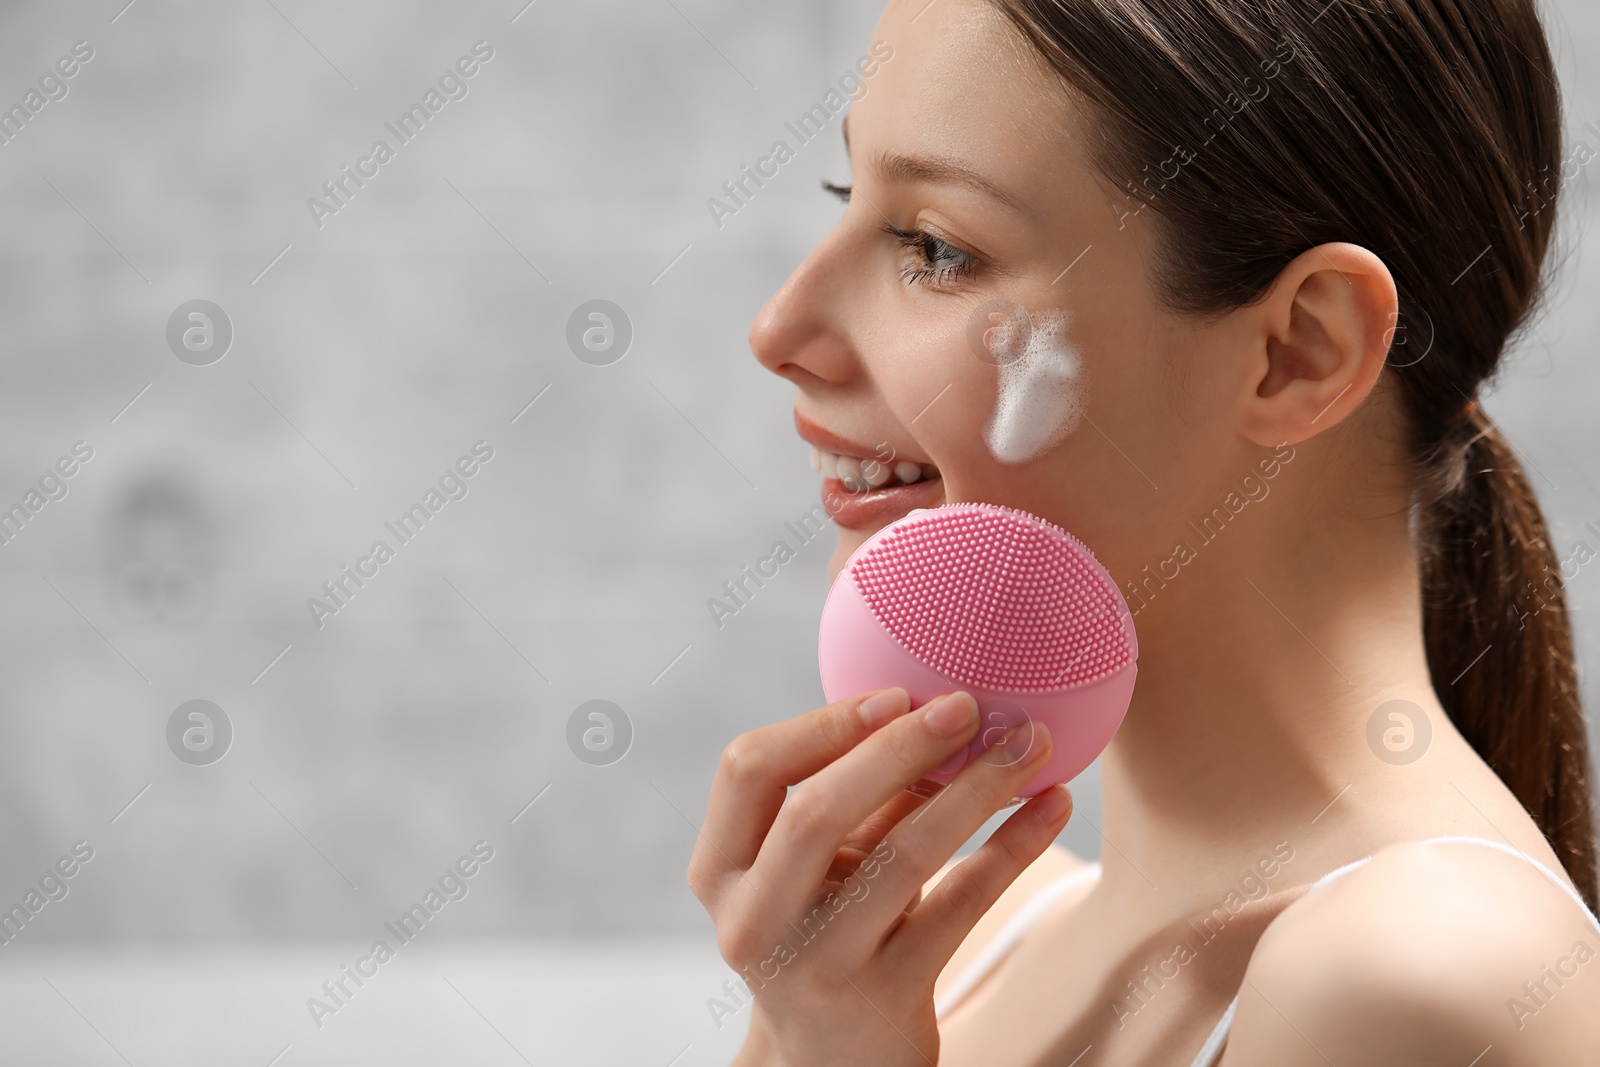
x=432, y=710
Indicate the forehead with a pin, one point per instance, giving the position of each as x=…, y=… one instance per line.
x=963, y=85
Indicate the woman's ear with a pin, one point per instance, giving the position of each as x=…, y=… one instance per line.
x=1324, y=332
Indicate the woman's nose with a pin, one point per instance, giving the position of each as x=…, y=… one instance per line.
x=802, y=333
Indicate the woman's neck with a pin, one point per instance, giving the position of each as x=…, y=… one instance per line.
x=1260, y=666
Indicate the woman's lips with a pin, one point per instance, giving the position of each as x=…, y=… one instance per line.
x=876, y=508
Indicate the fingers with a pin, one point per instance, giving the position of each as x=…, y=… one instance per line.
x=757, y=768
x=935, y=928
x=922, y=843
x=875, y=827
x=861, y=841
x=821, y=811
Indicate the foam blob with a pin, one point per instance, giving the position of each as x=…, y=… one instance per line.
x=1042, y=388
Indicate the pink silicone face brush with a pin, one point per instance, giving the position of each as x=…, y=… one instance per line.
x=1000, y=603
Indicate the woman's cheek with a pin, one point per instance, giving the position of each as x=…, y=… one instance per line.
x=1042, y=390
x=1007, y=385
x=941, y=393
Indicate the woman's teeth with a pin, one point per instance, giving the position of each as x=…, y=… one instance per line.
x=859, y=475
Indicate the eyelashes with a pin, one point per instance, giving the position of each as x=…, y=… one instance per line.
x=942, y=262
x=927, y=259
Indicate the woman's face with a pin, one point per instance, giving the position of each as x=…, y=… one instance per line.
x=968, y=144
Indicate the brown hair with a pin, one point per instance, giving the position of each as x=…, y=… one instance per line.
x=1428, y=131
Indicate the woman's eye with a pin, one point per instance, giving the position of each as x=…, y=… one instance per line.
x=930, y=260
x=926, y=259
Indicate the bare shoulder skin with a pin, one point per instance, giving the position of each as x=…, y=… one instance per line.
x=1436, y=953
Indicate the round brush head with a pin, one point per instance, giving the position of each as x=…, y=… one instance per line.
x=998, y=602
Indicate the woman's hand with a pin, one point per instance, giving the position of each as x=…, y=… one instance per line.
x=816, y=892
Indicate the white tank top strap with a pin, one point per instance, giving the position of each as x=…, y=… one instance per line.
x=1550, y=875
x=1210, y=1051
x=1213, y=1046
x=1009, y=934
x=1030, y=912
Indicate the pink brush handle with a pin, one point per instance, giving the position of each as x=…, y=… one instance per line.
x=858, y=654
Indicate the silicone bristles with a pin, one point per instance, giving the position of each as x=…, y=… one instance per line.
x=996, y=597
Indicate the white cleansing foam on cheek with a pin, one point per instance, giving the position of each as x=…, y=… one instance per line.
x=1043, y=392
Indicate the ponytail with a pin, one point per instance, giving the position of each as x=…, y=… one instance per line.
x=1498, y=635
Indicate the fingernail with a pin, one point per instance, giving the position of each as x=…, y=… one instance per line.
x=879, y=708
x=1023, y=747
x=1052, y=804
x=951, y=714
x=1041, y=742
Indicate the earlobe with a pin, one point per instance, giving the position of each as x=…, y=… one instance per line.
x=1325, y=328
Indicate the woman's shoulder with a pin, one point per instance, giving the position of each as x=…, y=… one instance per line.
x=1055, y=862
x=1432, y=949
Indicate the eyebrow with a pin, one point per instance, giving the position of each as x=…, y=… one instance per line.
x=933, y=170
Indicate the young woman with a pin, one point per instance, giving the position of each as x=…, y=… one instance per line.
x=1279, y=247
